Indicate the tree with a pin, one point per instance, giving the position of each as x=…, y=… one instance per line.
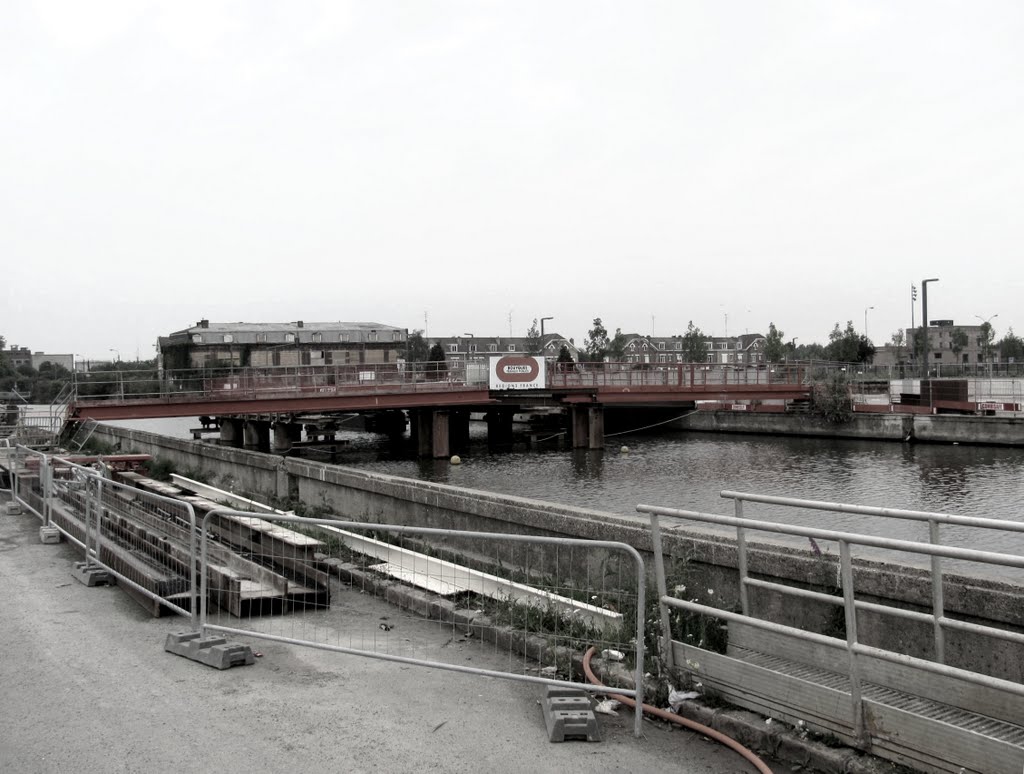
x=1011, y=348
x=597, y=341
x=920, y=344
x=847, y=346
x=436, y=362
x=695, y=344
x=830, y=398
x=533, y=342
x=564, y=356
x=958, y=342
x=988, y=334
x=898, y=341
x=774, y=348
x=617, y=347
x=417, y=350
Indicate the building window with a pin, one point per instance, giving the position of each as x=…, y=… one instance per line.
x=342, y=337
x=318, y=337
x=679, y=346
x=492, y=347
x=453, y=347
x=396, y=336
x=938, y=356
x=261, y=337
x=373, y=335
x=661, y=345
x=197, y=338
x=511, y=347
x=289, y=338
x=472, y=347
x=228, y=338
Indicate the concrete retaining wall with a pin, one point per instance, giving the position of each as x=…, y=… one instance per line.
x=696, y=559
x=933, y=428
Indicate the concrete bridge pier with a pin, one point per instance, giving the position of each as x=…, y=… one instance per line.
x=458, y=429
x=256, y=434
x=587, y=427
x=499, y=427
x=432, y=433
x=285, y=434
x=231, y=432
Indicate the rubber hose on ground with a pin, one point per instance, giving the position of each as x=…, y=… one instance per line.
x=684, y=722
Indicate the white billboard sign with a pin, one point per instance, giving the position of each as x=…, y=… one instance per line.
x=517, y=372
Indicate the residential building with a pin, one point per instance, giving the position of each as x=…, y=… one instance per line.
x=470, y=347
x=208, y=344
x=747, y=349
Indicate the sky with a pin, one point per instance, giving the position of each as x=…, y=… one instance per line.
x=467, y=167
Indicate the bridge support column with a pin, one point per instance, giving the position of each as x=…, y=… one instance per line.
x=431, y=427
x=256, y=434
x=458, y=429
x=285, y=434
x=587, y=427
x=231, y=432
x=499, y=427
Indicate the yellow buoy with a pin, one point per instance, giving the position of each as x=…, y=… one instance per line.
x=624, y=450
x=456, y=459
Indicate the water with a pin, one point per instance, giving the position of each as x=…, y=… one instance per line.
x=689, y=470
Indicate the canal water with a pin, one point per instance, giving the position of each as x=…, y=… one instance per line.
x=689, y=470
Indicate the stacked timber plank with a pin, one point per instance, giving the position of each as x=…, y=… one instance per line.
x=253, y=567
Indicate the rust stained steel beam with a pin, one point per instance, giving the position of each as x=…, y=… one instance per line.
x=148, y=409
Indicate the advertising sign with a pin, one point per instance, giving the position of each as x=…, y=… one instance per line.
x=517, y=372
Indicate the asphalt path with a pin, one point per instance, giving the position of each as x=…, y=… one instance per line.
x=85, y=686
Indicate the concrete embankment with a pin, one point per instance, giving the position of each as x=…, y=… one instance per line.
x=931, y=428
x=695, y=558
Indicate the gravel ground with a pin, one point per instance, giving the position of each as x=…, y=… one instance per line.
x=87, y=687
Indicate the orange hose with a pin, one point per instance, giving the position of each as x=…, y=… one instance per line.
x=693, y=725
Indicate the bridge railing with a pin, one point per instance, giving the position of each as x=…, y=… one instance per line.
x=679, y=375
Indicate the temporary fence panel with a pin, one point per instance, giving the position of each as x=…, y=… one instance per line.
x=905, y=708
x=521, y=607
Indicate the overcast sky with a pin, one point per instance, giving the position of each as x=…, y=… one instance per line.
x=461, y=165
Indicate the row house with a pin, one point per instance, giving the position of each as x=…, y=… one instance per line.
x=747, y=349
x=468, y=347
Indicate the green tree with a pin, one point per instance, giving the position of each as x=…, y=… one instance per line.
x=436, y=363
x=988, y=335
x=847, y=346
x=597, y=341
x=774, y=348
x=416, y=348
x=958, y=342
x=617, y=347
x=564, y=356
x=533, y=342
x=898, y=341
x=695, y=344
x=1011, y=348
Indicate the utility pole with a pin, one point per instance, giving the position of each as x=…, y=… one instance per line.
x=924, y=324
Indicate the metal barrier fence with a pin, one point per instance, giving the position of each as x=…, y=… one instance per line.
x=850, y=605
x=481, y=595
x=145, y=540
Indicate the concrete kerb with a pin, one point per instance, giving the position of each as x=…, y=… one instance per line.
x=750, y=729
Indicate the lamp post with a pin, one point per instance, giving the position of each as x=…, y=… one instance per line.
x=542, y=319
x=866, y=320
x=116, y=352
x=924, y=324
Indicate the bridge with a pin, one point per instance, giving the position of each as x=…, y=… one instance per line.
x=250, y=403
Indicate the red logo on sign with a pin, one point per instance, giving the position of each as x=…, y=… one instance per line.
x=517, y=369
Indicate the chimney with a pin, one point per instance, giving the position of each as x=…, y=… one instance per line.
x=203, y=323
x=299, y=323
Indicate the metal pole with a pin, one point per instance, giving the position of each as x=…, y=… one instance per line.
x=938, y=604
x=850, y=609
x=741, y=555
x=924, y=324
x=659, y=571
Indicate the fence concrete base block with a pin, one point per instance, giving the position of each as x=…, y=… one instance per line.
x=49, y=535
x=91, y=575
x=12, y=509
x=212, y=651
x=568, y=714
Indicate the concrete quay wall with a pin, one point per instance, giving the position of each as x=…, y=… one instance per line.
x=694, y=558
x=933, y=428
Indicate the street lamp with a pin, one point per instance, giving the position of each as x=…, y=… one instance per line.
x=866, y=320
x=116, y=352
x=924, y=323
x=542, y=319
